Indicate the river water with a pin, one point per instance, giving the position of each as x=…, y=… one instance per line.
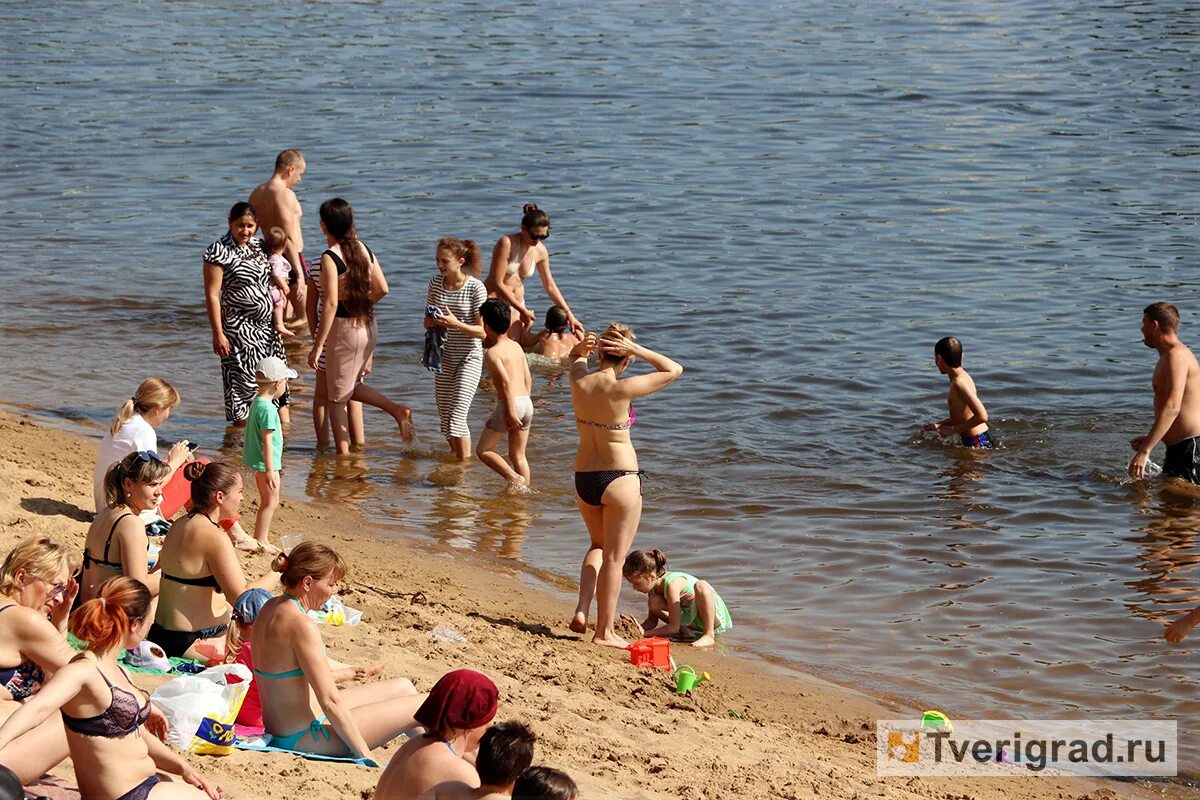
x=794, y=202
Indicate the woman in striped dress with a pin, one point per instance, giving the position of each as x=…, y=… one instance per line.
x=238, y=297
x=457, y=293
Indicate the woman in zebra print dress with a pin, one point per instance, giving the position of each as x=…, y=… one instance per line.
x=238, y=297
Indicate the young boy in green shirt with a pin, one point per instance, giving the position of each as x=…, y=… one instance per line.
x=263, y=451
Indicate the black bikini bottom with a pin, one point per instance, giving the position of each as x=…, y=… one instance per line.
x=176, y=643
x=590, y=486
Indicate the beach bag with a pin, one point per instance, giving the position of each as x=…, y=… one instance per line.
x=201, y=708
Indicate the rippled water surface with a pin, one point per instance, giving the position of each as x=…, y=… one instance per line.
x=795, y=202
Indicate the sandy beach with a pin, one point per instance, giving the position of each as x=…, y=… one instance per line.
x=621, y=732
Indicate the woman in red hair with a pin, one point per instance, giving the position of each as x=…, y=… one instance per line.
x=109, y=720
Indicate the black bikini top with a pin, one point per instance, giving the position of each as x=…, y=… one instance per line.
x=122, y=717
x=209, y=581
x=104, y=562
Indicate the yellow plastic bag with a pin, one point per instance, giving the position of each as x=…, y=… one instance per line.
x=201, y=708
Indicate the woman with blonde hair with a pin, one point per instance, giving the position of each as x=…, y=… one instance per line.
x=36, y=594
x=110, y=723
x=116, y=543
x=608, y=482
x=132, y=430
x=303, y=709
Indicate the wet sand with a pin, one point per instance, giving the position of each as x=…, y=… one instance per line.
x=620, y=732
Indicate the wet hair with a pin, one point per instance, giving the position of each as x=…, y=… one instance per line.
x=39, y=556
x=616, y=329
x=153, y=393
x=242, y=209
x=308, y=558
x=1165, y=314
x=505, y=751
x=644, y=563
x=288, y=158
x=338, y=217
x=105, y=621
x=533, y=217
x=135, y=468
x=556, y=319
x=544, y=783
x=207, y=480
x=497, y=314
x=274, y=240
x=950, y=350
x=466, y=249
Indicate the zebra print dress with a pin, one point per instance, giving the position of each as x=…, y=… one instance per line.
x=246, y=319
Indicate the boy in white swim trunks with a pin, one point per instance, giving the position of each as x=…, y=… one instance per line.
x=505, y=362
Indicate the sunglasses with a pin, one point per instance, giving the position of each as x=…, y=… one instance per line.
x=148, y=455
x=537, y=237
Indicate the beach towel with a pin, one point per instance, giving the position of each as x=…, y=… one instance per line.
x=435, y=346
x=262, y=744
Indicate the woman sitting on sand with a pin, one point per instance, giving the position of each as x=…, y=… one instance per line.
x=198, y=562
x=608, y=483
x=351, y=282
x=108, y=719
x=36, y=594
x=116, y=542
x=132, y=430
x=303, y=709
x=514, y=258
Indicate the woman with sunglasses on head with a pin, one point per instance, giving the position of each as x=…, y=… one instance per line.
x=198, y=562
x=116, y=542
x=608, y=483
x=110, y=724
x=36, y=594
x=133, y=429
x=514, y=258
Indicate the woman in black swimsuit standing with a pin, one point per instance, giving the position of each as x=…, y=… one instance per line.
x=608, y=483
x=108, y=719
x=198, y=561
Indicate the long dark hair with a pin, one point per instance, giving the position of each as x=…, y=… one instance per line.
x=339, y=221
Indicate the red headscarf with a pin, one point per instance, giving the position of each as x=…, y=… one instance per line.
x=460, y=699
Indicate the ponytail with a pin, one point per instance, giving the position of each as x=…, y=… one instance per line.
x=233, y=640
x=467, y=250
x=153, y=393
x=644, y=563
x=104, y=621
x=134, y=467
x=308, y=558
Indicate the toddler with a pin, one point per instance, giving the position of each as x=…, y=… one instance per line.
x=273, y=244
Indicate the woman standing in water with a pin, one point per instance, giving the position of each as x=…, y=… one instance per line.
x=457, y=293
x=608, y=482
x=351, y=283
x=237, y=294
x=514, y=258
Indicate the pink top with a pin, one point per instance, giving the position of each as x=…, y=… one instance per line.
x=280, y=268
x=251, y=712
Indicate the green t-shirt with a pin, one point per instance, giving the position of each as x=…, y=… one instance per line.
x=264, y=416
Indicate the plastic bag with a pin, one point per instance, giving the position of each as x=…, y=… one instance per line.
x=201, y=708
x=334, y=612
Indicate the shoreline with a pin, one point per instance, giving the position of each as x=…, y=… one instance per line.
x=757, y=730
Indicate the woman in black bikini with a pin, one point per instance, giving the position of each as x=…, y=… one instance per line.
x=108, y=719
x=198, y=561
x=608, y=483
x=116, y=543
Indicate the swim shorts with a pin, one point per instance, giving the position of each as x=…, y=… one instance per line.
x=1183, y=460
x=978, y=440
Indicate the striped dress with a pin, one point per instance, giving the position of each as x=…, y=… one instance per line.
x=462, y=358
x=246, y=320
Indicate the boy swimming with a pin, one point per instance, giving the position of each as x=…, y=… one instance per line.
x=968, y=417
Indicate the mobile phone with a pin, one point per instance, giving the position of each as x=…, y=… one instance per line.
x=193, y=445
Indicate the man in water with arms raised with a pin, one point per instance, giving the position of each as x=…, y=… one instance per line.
x=1176, y=399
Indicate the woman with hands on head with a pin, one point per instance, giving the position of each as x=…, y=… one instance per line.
x=111, y=725
x=514, y=258
x=608, y=483
x=303, y=709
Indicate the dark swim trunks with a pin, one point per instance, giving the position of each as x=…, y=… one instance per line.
x=978, y=440
x=1183, y=460
x=294, y=274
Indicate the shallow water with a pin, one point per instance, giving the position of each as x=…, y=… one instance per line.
x=794, y=203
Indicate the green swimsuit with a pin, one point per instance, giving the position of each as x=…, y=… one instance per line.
x=689, y=611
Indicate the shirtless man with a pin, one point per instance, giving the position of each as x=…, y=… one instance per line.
x=1176, y=399
x=968, y=418
x=276, y=205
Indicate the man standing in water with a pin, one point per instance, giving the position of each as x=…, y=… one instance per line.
x=277, y=206
x=1176, y=399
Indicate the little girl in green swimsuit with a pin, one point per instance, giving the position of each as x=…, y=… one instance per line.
x=678, y=604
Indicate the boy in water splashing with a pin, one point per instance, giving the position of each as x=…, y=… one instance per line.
x=968, y=418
